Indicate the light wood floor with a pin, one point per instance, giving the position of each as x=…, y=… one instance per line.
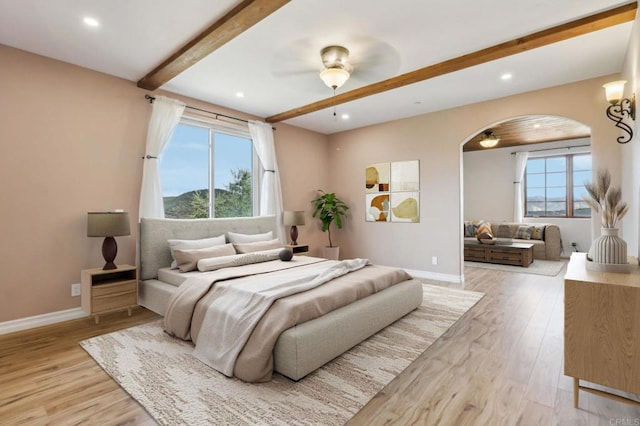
x=500, y=364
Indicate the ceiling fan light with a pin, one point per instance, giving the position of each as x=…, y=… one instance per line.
x=489, y=140
x=334, y=77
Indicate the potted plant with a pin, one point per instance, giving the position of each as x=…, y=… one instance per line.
x=609, y=248
x=330, y=209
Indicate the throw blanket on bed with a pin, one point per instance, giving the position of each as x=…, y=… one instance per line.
x=181, y=306
x=235, y=310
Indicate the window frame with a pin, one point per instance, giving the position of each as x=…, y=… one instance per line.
x=230, y=129
x=569, y=186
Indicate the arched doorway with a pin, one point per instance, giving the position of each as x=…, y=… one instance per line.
x=488, y=176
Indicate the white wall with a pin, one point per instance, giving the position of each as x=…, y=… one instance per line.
x=631, y=151
x=489, y=194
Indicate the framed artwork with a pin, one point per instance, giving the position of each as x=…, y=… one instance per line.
x=392, y=192
x=377, y=208
x=405, y=207
x=377, y=177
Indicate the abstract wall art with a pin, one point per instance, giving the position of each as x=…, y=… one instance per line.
x=392, y=192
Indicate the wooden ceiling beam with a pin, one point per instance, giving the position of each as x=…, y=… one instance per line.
x=598, y=21
x=239, y=19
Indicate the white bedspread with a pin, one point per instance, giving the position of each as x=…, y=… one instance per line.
x=236, y=310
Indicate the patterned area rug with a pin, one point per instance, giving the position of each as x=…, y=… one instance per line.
x=177, y=389
x=550, y=268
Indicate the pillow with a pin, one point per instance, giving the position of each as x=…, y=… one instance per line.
x=537, y=232
x=193, y=244
x=258, y=246
x=187, y=260
x=215, y=263
x=481, y=227
x=524, y=232
x=468, y=229
x=504, y=231
x=236, y=238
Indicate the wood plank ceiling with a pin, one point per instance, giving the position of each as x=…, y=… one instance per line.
x=531, y=130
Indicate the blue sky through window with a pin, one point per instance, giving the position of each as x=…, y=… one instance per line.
x=184, y=165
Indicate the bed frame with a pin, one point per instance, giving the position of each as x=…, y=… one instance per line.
x=300, y=349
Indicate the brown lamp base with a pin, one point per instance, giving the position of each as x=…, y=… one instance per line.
x=109, y=252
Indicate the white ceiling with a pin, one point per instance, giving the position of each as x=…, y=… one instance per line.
x=276, y=62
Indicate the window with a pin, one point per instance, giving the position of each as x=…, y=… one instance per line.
x=554, y=186
x=200, y=157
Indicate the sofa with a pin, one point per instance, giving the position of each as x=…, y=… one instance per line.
x=545, y=237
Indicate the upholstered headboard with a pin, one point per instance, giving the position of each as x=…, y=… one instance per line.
x=154, y=233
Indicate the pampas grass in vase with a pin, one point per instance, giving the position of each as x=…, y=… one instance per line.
x=609, y=248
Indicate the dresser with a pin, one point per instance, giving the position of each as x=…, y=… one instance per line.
x=602, y=328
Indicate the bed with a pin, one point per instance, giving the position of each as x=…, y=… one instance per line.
x=298, y=350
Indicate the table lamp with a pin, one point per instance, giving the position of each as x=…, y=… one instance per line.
x=108, y=225
x=293, y=219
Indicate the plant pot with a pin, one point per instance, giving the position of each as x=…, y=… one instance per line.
x=332, y=253
x=608, y=248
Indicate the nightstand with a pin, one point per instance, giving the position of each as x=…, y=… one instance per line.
x=109, y=290
x=298, y=250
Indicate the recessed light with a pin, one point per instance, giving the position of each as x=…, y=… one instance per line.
x=90, y=22
x=536, y=126
x=240, y=94
x=345, y=116
x=506, y=76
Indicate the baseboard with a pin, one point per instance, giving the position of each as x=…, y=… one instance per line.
x=40, y=320
x=450, y=278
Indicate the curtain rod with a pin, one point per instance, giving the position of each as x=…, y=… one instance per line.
x=553, y=149
x=217, y=114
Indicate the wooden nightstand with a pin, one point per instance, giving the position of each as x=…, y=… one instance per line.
x=298, y=250
x=110, y=290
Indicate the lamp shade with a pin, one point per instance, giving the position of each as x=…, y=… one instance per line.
x=293, y=218
x=334, y=77
x=614, y=91
x=108, y=224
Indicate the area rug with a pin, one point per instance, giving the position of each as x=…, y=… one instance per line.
x=550, y=268
x=177, y=389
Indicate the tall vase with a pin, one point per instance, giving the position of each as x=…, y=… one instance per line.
x=608, y=248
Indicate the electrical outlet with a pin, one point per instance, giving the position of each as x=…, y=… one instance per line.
x=75, y=289
x=574, y=244
x=434, y=260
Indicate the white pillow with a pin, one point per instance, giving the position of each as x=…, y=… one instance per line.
x=215, y=263
x=258, y=246
x=236, y=238
x=193, y=244
x=187, y=260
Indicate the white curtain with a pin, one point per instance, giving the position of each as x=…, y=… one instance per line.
x=518, y=187
x=271, y=191
x=165, y=116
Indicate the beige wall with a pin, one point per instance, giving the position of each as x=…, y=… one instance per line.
x=72, y=141
x=435, y=139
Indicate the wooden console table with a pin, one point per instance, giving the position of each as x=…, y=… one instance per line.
x=602, y=329
x=518, y=254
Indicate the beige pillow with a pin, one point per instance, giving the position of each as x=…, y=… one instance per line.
x=215, y=263
x=236, y=238
x=258, y=246
x=187, y=260
x=193, y=244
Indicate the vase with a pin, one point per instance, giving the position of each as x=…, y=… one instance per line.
x=331, y=253
x=608, y=248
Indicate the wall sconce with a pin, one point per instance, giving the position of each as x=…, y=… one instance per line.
x=620, y=107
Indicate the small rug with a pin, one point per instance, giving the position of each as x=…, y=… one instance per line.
x=177, y=389
x=550, y=268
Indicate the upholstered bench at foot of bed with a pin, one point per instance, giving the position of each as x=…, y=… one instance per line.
x=308, y=346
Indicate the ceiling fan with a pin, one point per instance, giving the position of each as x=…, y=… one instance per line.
x=365, y=60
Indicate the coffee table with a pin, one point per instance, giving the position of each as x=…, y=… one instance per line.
x=519, y=254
